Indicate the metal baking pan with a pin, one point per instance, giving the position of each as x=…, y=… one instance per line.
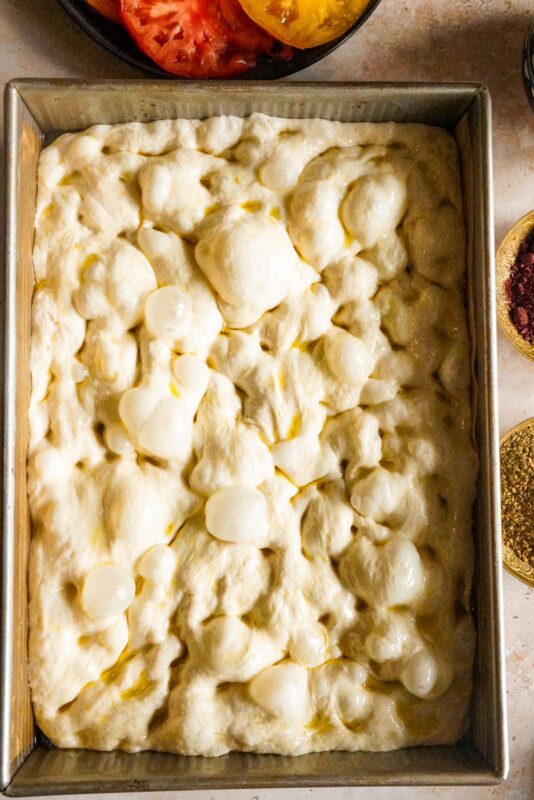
x=37, y=111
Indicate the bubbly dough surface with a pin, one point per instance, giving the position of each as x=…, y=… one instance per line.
x=250, y=468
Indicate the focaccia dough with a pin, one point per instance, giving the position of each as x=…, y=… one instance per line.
x=250, y=468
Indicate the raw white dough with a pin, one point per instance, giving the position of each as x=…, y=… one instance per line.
x=250, y=468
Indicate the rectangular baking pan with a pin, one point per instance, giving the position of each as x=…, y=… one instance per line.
x=36, y=112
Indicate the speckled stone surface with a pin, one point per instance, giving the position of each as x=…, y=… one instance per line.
x=425, y=40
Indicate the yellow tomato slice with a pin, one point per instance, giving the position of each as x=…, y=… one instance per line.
x=304, y=23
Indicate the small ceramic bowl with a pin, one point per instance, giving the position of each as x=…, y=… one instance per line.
x=528, y=65
x=506, y=256
x=515, y=566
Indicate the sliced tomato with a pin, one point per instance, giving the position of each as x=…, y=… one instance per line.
x=108, y=8
x=196, y=38
x=245, y=33
x=305, y=23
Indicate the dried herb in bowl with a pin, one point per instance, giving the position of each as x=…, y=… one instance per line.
x=517, y=492
x=519, y=289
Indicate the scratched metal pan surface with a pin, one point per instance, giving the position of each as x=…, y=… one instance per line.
x=36, y=112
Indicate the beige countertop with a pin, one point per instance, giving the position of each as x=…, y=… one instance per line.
x=426, y=40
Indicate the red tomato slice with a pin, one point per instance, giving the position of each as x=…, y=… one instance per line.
x=245, y=33
x=196, y=38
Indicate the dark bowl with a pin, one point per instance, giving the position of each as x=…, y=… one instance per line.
x=528, y=65
x=116, y=39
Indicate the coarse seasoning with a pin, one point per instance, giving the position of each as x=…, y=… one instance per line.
x=517, y=493
x=519, y=289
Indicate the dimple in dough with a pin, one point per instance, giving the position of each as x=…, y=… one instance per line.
x=250, y=464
